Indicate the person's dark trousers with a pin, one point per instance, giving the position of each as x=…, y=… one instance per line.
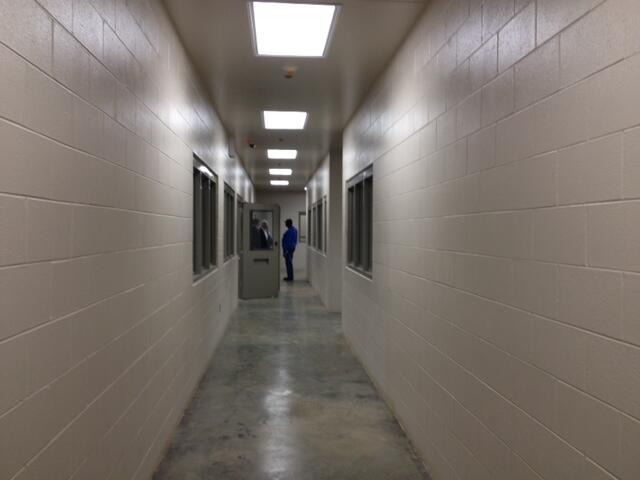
x=288, y=260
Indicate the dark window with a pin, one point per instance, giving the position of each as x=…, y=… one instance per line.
x=319, y=225
x=314, y=228
x=360, y=221
x=205, y=217
x=324, y=224
x=350, y=236
x=229, y=221
x=240, y=213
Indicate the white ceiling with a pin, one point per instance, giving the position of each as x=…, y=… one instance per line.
x=217, y=36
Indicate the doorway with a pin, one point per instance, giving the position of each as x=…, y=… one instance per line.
x=260, y=253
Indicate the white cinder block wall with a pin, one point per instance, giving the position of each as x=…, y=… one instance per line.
x=103, y=335
x=503, y=319
x=317, y=264
x=325, y=269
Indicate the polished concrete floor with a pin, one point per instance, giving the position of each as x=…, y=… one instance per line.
x=284, y=398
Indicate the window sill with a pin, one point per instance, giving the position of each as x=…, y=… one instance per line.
x=317, y=251
x=201, y=276
x=358, y=271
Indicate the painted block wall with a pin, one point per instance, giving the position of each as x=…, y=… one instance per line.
x=103, y=334
x=325, y=269
x=502, y=323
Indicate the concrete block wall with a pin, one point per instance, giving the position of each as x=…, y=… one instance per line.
x=502, y=322
x=317, y=263
x=103, y=334
x=325, y=268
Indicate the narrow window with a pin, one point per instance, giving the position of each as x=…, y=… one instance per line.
x=324, y=224
x=197, y=223
x=319, y=225
x=367, y=224
x=357, y=226
x=302, y=226
x=205, y=217
x=214, y=220
x=360, y=221
x=314, y=232
x=229, y=221
x=350, y=206
x=239, y=212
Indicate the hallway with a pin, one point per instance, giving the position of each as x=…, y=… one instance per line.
x=284, y=398
x=459, y=181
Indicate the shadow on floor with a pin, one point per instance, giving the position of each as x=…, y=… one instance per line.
x=284, y=398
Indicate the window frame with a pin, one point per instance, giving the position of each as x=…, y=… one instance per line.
x=324, y=224
x=359, y=227
x=319, y=224
x=204, y=219
x=303, y=232
x=239, y=218
x=314, y=231
x=229, y=202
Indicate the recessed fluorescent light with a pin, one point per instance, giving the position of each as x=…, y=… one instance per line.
x=274, y=120
x=275, y=154
x=280, y=171
x=279, y=182
x=292, y=29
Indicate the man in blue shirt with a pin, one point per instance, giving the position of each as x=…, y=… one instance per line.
x=289, y=242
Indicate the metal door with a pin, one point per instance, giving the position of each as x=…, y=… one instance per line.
x=260, y=257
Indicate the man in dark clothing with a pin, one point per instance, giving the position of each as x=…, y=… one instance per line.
x=255, y=234
x=289, y=242
x=266, y=240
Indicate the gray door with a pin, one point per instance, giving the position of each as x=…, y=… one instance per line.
x=260, y=257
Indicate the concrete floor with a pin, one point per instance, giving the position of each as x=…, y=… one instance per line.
x=284, y=398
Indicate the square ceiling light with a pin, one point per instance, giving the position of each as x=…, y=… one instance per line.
x=277, y=154
x=292, y=29
x=279, y=183
x=280, y=171
x=274, y=120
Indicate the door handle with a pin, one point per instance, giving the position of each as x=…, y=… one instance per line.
x=260, y=260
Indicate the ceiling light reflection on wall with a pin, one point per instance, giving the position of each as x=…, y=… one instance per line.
x=277, y=120
x=280, y=171
x=205, y=170
x=291, y=29
x=279, y=183
x=277, y=154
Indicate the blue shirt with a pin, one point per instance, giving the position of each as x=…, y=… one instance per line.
x=290, y=239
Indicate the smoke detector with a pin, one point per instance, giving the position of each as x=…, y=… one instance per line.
x=290, y=71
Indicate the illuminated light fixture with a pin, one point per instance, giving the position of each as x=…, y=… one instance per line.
x=292, y=29
x=275, y=154
x=205, y=170
x=275, y=120
x=280, y=171
x=279, y=183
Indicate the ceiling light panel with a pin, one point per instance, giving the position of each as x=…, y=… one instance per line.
x=279, y=183
x=292, y=29
x=280, y=171
x=276, y=120
x=276, y=154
